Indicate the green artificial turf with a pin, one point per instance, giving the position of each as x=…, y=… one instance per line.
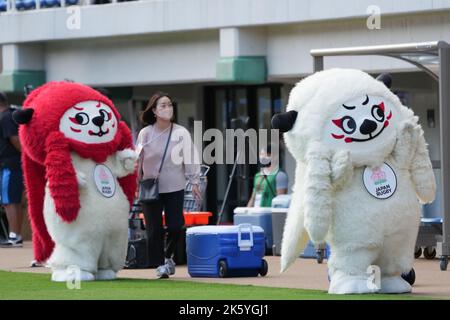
x=18, y=285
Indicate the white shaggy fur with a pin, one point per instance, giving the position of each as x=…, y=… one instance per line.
x=96, y=242
x=330, y=201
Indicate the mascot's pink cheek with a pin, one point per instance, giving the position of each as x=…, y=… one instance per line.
x=337, y=136
x=386, y=123
x=73, y=120
x=389, y=116
x=75, y=130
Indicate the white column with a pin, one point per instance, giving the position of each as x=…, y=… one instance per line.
x=23, y=57
x=236, y=42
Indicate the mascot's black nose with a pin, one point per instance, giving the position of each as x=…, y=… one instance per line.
x=284, y=121
x=98, y=121
x=368, y=126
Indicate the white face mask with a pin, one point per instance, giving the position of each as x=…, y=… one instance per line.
x=165, y=114
x=265, y=161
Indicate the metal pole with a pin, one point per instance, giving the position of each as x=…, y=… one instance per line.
x=444, y=109
x=318, y=63
x=230, y=180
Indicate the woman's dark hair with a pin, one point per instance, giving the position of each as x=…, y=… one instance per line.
x=147, y=116
x=3, y=99
x=269, y=149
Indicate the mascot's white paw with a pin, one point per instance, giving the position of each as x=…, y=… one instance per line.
x=128, y=157
x=81, y=179
x=342, y=283
x=406, y=143
x=105, y=275
x=394, y=285
x=341, y=168
x=69, y=274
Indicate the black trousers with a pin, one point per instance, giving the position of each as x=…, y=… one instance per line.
x=158, y=248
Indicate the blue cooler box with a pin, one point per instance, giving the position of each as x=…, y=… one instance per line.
x=256, y=216
x=225, y=251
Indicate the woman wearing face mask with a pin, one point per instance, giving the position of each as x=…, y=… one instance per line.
x=180, y=163
x=269, y=182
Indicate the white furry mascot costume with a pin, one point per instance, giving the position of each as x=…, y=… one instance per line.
x=362, y=172
x=80, y=178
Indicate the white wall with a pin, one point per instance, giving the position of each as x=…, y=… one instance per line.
x=145, y=17
x=135, y=60
x=192, y=56
x=288, y=47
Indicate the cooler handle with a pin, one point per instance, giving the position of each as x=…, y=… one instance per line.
x=245, y=245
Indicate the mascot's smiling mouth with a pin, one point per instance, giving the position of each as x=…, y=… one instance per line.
x=99, y=133
x=370, y=135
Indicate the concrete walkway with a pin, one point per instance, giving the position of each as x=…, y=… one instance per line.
x=304, y=273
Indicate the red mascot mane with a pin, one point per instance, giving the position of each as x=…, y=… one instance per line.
x=46, y=156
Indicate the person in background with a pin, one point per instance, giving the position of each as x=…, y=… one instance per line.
x=269, y=182
x=158, y=118
x=11, y=186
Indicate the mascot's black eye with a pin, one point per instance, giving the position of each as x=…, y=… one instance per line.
x=106, y=116
x=82, y=118
x=348, y=125
x=378, y=113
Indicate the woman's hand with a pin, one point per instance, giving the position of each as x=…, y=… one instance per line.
x=196, y=192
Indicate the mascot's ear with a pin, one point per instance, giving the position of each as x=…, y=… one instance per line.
x=386, y=79
x=23, y=116
x=284, y=121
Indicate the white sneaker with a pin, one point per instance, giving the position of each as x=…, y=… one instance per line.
x=14, y=241
x=36, y=264
x=170, y=265
x=162, y=272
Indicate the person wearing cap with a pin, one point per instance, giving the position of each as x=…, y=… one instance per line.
x=11, y=178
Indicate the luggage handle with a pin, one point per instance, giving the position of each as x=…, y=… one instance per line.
x=245, y=245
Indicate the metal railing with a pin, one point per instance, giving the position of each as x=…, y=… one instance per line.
x=9, y=6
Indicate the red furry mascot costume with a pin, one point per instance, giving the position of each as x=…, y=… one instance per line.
x=80, y=178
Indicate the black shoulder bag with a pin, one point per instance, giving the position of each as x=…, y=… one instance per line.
x=148, y=188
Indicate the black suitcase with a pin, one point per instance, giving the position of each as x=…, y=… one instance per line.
x=137, y=256
x=137, y=252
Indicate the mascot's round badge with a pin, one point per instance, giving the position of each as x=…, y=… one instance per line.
x=104, y=180
x=380, y=182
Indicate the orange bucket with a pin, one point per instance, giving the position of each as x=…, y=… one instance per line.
x=201, y=217
x=189, y=218
x=192, y=218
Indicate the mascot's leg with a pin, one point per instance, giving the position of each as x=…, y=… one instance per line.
x=112, y=258
x=72, y=263
x=348, y=270
x=396, y=258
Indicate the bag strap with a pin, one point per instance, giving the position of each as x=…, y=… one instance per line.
x=268, y=184
x=165, y=150
x=141, y=162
